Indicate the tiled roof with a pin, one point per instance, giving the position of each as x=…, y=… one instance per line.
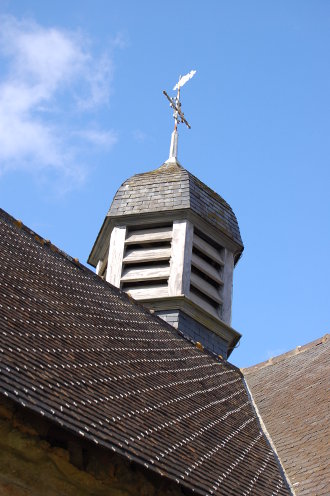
x=81, y=353
x=171, y=187
x=291, y=393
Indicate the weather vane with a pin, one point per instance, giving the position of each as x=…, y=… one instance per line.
x=178, y=115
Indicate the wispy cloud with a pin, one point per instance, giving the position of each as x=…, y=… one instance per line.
x=274, y=353
x=48, y=75
x=139, y=136
x=121, y=40
x=100, y=138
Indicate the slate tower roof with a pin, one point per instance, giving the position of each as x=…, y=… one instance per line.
x=80, y=352
x=171, y=187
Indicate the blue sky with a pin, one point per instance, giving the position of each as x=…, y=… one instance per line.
x=81, y=110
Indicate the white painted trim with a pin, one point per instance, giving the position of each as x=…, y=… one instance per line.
x=180, y=264
x=227, y=292
x=116, y=253
x=101, y=266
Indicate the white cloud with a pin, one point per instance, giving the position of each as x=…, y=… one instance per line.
x=40, y=56
x=49, y=74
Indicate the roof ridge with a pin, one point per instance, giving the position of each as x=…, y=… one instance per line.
x=288, y=354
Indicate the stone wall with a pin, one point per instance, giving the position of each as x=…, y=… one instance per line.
x=37, y=458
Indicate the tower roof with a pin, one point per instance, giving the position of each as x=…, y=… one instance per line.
x=171, y=187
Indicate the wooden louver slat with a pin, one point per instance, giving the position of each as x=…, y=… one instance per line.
x=201, y=302
x=208, y=269
x=207, y=249
x=147, y=254
x=145, y=273
x=206, y=288
x=148, y=292
x=149, y=235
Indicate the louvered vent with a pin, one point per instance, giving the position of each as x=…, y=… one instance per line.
x=206, y=285
x=146, y=262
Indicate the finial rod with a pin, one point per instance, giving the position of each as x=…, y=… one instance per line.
x=174, y=146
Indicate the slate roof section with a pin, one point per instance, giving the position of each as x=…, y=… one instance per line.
x=78, y=351
x=172, y=187
x=291, y=392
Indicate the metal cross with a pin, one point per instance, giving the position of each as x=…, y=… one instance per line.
x=176, y=106
x=175, y=101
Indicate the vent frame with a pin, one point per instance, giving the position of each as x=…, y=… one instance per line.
x=207, y=270
x=146, y=261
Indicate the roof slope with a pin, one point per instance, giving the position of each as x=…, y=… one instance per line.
x=80, y=352
x=291, y=394
x=171, y=187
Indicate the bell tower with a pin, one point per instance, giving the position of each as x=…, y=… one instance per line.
x=172, y=243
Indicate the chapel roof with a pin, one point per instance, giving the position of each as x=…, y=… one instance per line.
x=81, y=353
x=171, y=187
x=291, y=394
